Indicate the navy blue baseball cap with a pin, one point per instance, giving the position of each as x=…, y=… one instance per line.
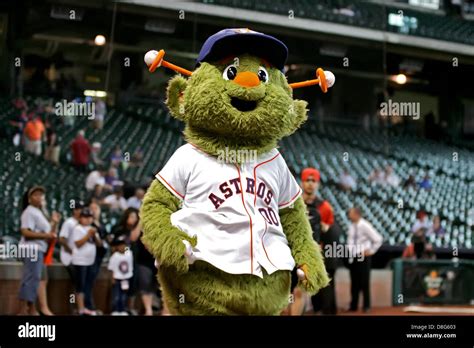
x=242, y=40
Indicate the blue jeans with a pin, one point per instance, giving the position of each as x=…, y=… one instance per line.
x=82, y=281
x=91, y=277
x=119, y=297
x=31, y=278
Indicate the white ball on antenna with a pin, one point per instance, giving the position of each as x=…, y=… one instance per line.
x=330, y=78
x=150, y=57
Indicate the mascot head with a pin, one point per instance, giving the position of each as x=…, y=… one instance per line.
x=238, y=96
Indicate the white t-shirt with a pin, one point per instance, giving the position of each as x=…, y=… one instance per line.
x=85, y=255
x=93, y=179
x=134, y=202
x=233, y=210
x=116, y=203
x=66, y=232
x=121, y=265
x=33, y=219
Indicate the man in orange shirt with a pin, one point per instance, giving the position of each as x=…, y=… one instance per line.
x=34, y=134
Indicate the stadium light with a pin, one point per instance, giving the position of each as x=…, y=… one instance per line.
x=99, y=40
x=92, y=93
x=401, y=79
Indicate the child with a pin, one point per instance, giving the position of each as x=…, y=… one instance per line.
x=85, y=239
x=121, y=265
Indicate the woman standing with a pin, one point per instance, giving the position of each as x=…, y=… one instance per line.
x=86, y=240
x=37, y=231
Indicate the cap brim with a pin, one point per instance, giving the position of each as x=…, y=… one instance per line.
x=36, y=188
x=269, y=48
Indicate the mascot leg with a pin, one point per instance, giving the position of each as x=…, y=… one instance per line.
x=205, y=290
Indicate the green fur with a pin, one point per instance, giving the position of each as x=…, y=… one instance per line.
x=304, y=249
x=162, y=239
x=203, y=103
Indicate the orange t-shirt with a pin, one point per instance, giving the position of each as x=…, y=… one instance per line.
x=34, y=130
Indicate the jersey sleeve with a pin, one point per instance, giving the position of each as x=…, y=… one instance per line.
x=175, y=174
x=289, y=188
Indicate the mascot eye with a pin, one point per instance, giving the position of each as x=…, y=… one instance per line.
x=229, y=73
x=263, y=74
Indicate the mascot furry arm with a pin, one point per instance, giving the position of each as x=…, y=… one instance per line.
x=210, y=246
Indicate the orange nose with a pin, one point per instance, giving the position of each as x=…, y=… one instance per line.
x=247, y=79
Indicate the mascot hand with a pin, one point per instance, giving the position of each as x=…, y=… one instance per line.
x=179, y=255
x=311, y=280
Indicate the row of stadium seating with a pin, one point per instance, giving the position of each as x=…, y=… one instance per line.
x=330, y=149
x=365, y=14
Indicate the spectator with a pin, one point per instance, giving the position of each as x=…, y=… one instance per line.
x=80, y=152
x=130, y=227
x=66, y=238
x=391, y=178
x=95, y=154
x=18, y=124
x=85, y=239
x=418, y=249
x=96, y=177
x=121, y=265
x=410, y=182
x=377, y=177
x=330, y=232
x=116, y=158
x=36, y=232
x=101, y=250
x=137, y=158
x=115, y=201
x=136, y=200
x=426, y=183
x=147, y=283
x=347, y=182
x=422, y=223
x=51, y=152
x=436, y=228
x=365, y=240
x=310, y=179
x=112, y=179
x=98, y=194
x=34, y=134
x=100, y=111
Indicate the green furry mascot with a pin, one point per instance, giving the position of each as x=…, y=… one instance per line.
x=224, y=217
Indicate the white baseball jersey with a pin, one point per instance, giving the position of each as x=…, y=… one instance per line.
x=233, y=209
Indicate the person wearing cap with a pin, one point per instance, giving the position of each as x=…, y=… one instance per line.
x=121, y=266
x=85, y=238
x=65, y=237
x=36, y=230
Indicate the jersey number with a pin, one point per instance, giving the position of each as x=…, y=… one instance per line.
x=269, y=216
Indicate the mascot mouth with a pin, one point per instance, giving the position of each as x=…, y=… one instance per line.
x=243, y=105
